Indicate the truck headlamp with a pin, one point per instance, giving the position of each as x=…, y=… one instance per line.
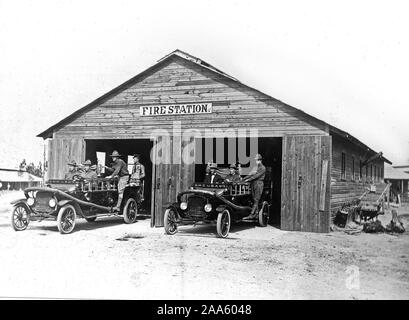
x=183, y=205
x=52, y=203
x=208, y=207
x=30, y=201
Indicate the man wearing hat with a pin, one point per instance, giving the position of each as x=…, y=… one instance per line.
x=138, y=169
x=256, y=177
x=213, y=176
x=120, y=170
x=72, y=171
x=138, y=174
x=233, y=176
x=87, y=173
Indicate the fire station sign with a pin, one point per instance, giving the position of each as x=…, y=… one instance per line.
x=175, y=109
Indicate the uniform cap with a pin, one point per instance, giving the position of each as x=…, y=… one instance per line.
x=115, y=154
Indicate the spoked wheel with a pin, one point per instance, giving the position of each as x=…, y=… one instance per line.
x=223, y=224
x=170, y=224
x=263, y=215
x=130, y=211
x=91, y=219
x=66, y=219
x=20, y=217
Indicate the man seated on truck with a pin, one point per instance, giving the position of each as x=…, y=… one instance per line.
x=213, y=177
x=87, y=172
x=120, y=170
x=72, y=171
x=233, y=176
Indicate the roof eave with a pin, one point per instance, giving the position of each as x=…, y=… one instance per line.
x=346, y=135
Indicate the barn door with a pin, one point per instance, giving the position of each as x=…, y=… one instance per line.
x=172, y=173
x=305, y=193
x=62, y=151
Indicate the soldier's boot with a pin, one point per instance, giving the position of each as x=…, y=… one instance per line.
x=253, y=213
x=117, y=208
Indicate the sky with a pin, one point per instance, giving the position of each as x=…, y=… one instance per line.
x=345, y=62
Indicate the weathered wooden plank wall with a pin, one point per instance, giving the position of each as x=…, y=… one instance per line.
x=61, y=152
x=305, y=199
x=173, y=174
x=352, y=186
x=183, y=82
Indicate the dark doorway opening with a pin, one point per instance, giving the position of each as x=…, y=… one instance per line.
x=271, y=150
x=126, y=148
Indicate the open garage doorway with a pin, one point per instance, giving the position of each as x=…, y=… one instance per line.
x=271, y=150
x=101, y=149
x=209, y=150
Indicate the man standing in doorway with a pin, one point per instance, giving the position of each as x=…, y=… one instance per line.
x=256, y=177
x=120, y=170
x=138, y=169
x=138, y=174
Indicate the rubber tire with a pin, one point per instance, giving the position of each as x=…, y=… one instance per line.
x=219, y=224
x=60, y=216
x=167, y=225
x=127, y=204
x=13, y=225
x=262, y=219
x=91, y=219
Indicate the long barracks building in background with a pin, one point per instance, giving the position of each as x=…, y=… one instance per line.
x=315, y=167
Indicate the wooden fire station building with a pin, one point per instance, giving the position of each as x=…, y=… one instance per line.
x=315, y=167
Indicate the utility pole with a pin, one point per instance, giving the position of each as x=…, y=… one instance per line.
x=44, y=167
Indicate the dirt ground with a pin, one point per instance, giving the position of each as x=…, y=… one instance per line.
x=109, y=259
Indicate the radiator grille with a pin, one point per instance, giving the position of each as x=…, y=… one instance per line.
x=195, y=206
x=41, y=202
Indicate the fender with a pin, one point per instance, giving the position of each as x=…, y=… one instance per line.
x=175, y=208
x=72, y=202
x=21, y=201
x=222, y=207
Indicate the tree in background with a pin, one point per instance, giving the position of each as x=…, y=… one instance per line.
x=31, y=168
x=23, y=165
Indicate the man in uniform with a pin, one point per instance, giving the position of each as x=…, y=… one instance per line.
x=87, y=173
x=256, y=177
x=233, y=176
x=213, y=176
x=72, y=171
x=138, y=169
x=138, y=174
x=120, y=170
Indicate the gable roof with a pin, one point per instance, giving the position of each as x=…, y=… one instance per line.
x=179, y=54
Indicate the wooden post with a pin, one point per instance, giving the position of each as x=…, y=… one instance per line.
x=402, y=187
x=323, y=188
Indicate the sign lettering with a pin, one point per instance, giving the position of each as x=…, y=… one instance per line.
x=175, y=109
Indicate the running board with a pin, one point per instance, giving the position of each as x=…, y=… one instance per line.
x=103, y=215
